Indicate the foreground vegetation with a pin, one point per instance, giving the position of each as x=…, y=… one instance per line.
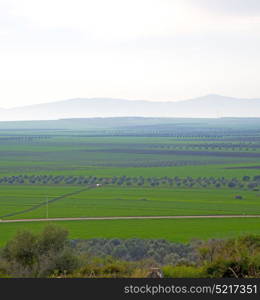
x=51, y=254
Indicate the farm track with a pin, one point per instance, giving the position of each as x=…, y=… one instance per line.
x=44, y=203
x=131, y=218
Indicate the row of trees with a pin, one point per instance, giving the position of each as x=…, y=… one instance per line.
x=161, y=251
x=202, y=146
x=25, y=138
x=179, y=182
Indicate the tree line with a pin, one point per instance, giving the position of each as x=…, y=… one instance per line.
x=246, y=182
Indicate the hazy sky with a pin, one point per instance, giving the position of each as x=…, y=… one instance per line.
x=136, y=49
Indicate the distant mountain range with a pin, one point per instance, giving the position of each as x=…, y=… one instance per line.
x=210, y=106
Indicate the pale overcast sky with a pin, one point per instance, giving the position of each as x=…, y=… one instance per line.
x=135, y=49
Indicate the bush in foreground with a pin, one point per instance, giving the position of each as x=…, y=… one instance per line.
x=51, y=254
x=30, y=255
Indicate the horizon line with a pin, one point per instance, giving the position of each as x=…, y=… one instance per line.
x=126, y=99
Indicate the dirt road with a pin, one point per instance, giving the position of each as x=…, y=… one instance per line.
x=130, y=218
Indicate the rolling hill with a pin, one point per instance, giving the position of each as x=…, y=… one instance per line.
x=210, y=106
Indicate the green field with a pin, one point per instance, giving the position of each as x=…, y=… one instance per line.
x=173, y=230
x=124, y=201
x=142, y=168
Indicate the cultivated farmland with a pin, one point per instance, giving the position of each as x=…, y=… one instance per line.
x=67, y=169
